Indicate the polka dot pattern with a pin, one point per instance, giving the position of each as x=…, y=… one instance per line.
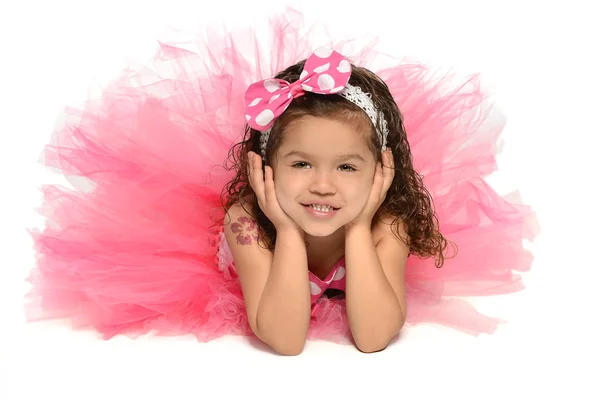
x=336, y=279
x=325, y=72
x=315, y=289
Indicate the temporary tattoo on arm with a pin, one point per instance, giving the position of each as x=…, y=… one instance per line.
x=246, y=230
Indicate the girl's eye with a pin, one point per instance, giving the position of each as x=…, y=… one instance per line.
x=347, y=168
x=300, y=165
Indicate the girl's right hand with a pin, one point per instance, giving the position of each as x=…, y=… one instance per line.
x=264, y=187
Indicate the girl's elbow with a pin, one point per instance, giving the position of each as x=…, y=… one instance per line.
x=371, y=347
x=290, y=351
x=288, y=347
x=282, y=344
x=375, y=342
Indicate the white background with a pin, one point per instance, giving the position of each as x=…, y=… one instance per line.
x=540, y=59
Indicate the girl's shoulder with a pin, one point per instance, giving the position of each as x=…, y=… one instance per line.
x=242, y=228
x=386, y=227
x=240, y=222
x=241, y=209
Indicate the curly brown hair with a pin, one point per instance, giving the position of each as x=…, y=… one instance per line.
x=407, y=200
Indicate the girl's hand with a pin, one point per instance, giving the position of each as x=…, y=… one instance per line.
x=384, y=175
x=264, y=187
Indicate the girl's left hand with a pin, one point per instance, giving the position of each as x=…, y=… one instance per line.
x=384, y=175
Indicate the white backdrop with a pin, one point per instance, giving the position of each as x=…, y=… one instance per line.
x=539, y=59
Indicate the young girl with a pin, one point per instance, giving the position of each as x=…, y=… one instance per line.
x=324, y=227
x=328, y=203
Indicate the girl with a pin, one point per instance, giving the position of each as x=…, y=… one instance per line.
x=323, y=227
x=328, y=198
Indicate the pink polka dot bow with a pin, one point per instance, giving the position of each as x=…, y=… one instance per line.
x=325, y=72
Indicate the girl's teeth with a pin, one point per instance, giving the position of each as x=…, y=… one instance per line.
x=321, y=208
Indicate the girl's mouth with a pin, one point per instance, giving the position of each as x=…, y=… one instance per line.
x=321, y=211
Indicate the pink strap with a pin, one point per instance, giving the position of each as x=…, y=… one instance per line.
x=336, y=279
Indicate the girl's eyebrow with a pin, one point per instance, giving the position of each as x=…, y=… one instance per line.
x=354, y=155
x=343, y=157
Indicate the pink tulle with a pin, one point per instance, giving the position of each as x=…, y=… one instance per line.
x=133, y=248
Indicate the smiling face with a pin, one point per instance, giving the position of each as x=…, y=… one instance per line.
x=323, y=174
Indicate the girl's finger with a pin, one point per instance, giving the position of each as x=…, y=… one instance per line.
x=389, y=170
x=269, y=185
x=256, y=176
x=249, y=169
x=378, y=180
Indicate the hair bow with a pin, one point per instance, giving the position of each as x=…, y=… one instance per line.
x=325, y=72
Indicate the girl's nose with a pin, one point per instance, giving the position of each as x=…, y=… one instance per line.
x=322, y=184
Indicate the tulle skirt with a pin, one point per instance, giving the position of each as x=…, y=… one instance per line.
x=135, y=245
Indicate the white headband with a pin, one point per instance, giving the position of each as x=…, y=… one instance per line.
x=362, y=100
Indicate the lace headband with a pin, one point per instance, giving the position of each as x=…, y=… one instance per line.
x=325, y=72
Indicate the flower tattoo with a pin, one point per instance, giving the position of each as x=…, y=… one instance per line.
x=246, y=230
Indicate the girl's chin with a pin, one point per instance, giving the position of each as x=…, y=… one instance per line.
x=319, y=233
x=321, y=229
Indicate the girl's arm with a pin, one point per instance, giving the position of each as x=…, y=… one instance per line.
x=275, y=285
x=375, y=291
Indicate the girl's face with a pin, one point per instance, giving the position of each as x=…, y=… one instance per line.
x=323, y=174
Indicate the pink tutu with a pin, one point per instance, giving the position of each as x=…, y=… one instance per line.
x=136, y=246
